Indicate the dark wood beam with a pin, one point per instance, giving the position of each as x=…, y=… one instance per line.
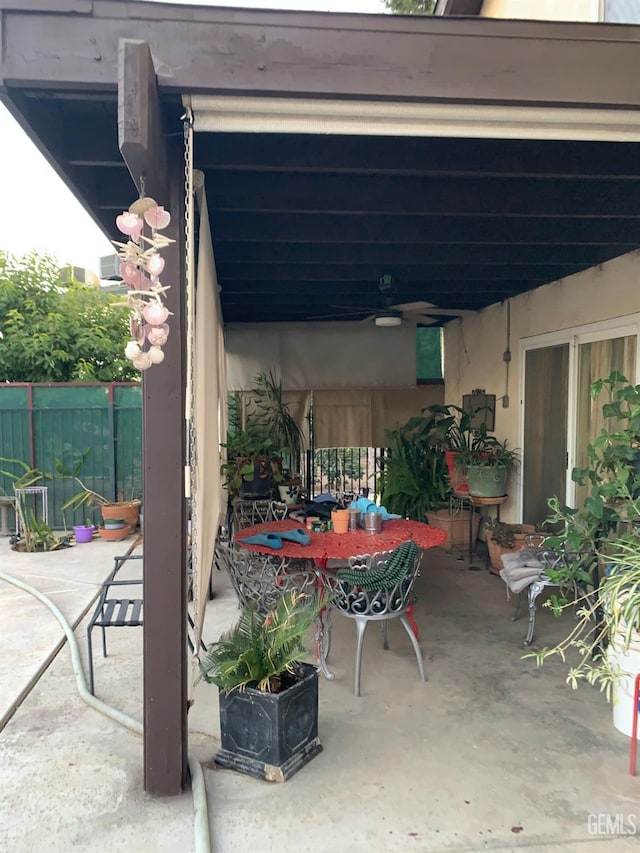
x=366, y=292
x=287, y=152
x=352, y=56
x=401, y=271
x=379, y=229
x=143, y=148
x=445, y=196
x=140, y=124
x=410, y=253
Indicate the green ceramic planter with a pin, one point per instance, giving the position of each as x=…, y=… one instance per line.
x=487, y=481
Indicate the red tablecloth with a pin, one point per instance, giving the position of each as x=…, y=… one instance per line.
x=340, y=546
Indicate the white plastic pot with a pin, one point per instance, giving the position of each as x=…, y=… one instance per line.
x=628, y=662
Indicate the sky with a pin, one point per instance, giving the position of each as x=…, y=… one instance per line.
x=55, y=221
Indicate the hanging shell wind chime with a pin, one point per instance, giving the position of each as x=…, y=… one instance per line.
x=141, y=265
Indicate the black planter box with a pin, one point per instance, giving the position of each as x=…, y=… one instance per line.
x=270, y=735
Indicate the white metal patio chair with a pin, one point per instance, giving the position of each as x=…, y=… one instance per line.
x=377, y=588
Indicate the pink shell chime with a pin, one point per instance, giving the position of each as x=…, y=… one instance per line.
x=141, y=265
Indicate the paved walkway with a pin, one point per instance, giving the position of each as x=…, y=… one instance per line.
x=31, y=636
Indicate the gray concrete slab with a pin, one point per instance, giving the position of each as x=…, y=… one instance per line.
x=490, y=754
x=31, y=636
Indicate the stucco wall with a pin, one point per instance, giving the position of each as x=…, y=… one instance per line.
x=542, y=10
x=473, y=348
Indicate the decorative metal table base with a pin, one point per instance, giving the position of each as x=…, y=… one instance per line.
x=323, y=642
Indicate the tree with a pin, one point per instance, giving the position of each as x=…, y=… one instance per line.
x=57, y=331
x=411, y=7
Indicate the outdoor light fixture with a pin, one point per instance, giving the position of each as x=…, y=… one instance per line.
x=388, y=318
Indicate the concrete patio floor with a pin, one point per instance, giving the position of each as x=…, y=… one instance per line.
x=491, y=753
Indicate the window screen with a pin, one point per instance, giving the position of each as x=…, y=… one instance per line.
x=428, y=353
x=622, y=11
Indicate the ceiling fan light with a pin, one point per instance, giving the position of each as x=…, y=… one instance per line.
x=388, y=318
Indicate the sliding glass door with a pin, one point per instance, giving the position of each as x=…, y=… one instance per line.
x=559, y=418
x=544, y=464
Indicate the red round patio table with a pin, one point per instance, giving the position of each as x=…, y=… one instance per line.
x=341, y=546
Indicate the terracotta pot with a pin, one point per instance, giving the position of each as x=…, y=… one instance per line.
x=115, y=535
x=496, y=551
x=128, y=511
x=456, y=477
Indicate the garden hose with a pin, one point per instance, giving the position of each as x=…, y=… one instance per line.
x=200, y=813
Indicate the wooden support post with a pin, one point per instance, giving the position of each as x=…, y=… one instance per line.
x=144, y=149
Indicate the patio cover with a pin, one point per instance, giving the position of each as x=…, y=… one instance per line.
x=304, y=223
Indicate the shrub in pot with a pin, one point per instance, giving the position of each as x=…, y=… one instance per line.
x=487, y=467
x=451, y=429
x=413, y=478
x=606, y=636
x=268, y=695
x=505, y=538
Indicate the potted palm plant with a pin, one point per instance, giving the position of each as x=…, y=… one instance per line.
x=268, y=695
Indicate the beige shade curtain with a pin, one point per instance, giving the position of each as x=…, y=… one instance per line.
x=596, y=360
x=209, y=417
x=361, y=418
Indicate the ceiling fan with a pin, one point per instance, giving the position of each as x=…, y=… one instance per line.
x=392, y=314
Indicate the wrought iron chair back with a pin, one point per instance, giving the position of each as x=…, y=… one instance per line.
x=262, y=578
x=377, y=587
x=246, y=513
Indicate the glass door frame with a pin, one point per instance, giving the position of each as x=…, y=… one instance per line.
x=617, y=327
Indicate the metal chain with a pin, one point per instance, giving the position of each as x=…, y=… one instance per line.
x=191, y=460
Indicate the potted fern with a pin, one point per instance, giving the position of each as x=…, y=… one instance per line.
x=268, y=695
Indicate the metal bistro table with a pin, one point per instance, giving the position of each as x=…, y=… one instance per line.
x=339, y=546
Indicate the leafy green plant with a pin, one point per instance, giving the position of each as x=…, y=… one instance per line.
x=260, y=650
x=57, y=330
x=488, y=452
x=273, y=417
x=86, y=498
x=249, y=453
x=608, y=616
x=413, y=476
x=503, y=533
x=613, y=475
x=37, y=535
x=613, y=481
x=451, y=427
x=262, y=439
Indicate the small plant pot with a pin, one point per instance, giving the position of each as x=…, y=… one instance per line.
x=456, y=477
x=289, y=494
x=115, y=535
x=83, y=533
x=114, y=524
x=456, y=525
x=127, y=511
x=496, y=551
